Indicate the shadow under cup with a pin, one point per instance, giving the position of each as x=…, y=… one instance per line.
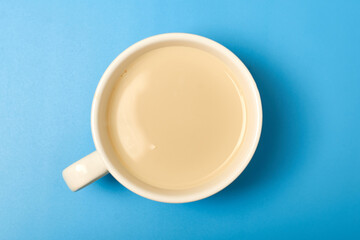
x=229, y=172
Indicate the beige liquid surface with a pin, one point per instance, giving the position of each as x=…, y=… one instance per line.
x=176, y=117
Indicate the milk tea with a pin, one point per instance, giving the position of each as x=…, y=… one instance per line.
x=176, y=117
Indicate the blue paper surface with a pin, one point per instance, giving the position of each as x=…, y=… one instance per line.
x=303, y=182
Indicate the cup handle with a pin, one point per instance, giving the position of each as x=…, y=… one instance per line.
x=85, y=171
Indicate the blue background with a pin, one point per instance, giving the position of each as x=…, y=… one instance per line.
x=303, y=181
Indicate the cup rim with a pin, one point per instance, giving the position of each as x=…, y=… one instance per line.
x=95, y=113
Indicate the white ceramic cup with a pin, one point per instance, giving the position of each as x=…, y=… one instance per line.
x=104, y=160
